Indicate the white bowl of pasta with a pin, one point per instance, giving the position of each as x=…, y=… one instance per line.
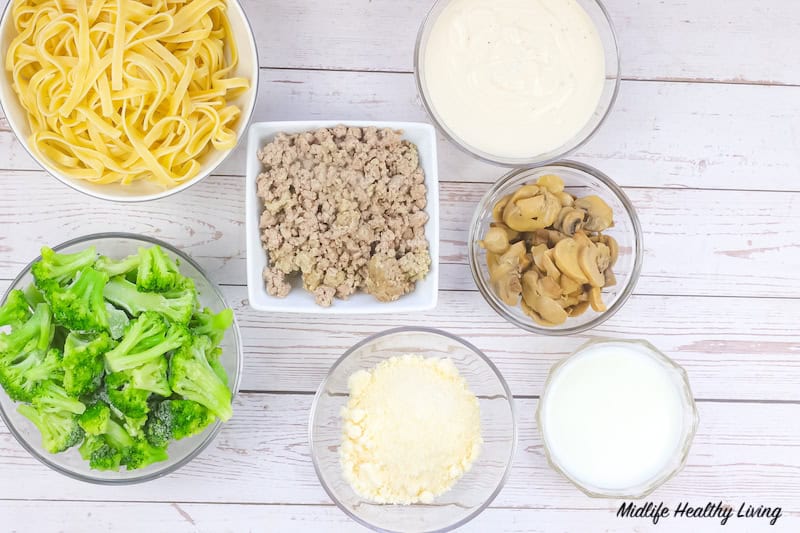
x=127, y=101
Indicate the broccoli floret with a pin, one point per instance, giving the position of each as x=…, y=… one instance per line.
x=212, y=325
x=146, y=339
x=214, y=361
x=61, y=268
x=83, y=362
x=21, y=378
x=95, y=420
x=80, y=306
x=143, y=454
x=117, y=321
x=34, y=335
x=177, y=306
x=151, y=376
x=159, y=273
x=34, y=295
x=16, y=309
x=60, y=430
x=132, y=402
x=49, y=396
x=114, y=268
x=176, y=419
x=192, y=377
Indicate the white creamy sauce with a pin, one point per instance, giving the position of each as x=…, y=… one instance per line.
x=613, y=416
x=514, y=78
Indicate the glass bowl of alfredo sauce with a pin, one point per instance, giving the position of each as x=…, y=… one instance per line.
x=515, y=82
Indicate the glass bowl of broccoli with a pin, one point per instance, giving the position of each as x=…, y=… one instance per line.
x=119, y=358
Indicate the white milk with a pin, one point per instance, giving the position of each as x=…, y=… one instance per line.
x=615, y=416
x=514, y=78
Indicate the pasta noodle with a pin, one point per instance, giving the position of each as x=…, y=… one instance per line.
x=123, y=90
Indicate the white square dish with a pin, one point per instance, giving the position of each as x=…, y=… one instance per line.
x=424, y=296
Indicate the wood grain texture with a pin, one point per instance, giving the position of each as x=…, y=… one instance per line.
x=35, y=516
x=696, y=242
x=714, y=40
x=659, y=134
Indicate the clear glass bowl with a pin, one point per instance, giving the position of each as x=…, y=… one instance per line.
x=181, y=452
x=473, y=492
x=581, y=180
x=605, y=29
x=691, y=420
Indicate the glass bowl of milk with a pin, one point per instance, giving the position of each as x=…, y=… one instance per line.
x=517, y=82
x=617, y=418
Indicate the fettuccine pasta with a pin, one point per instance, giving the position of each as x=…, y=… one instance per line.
x=123, y=90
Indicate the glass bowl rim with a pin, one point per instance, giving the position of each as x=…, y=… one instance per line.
x=435, y=331
x=499, y=307
x=552, y=156
x=663, y=478
x=217, y=425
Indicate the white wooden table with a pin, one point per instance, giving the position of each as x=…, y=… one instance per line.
x=705, y=137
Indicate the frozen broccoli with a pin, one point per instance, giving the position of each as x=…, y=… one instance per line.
x=159, y=273
x=142, y=454
x=20, y=378
x=117, y=321
x=16, y=309
x=95, y=419
x=176, y=306
x=59, y=429
x=176, y=419
x=147, y=338
x=115, y=268
x=49, y=396
x=212, y=325
x=132, y=402
x=83, y=361
x=35, y=334
x=151, y=376
x=80, y=306
x=61, y=268
x=192, y=377
x=214, y=356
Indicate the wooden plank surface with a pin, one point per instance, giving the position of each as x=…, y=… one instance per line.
x=705, y=137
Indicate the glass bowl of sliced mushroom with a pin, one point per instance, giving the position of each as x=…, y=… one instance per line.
x=555, y=249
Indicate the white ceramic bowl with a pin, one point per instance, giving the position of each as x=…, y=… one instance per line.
x=425, y=294
x=139, y=191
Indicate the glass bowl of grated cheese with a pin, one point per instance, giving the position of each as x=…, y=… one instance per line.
x=413, y=429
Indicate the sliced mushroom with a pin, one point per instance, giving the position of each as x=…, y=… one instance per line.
x=531, y=213
x=550, y=267
x=613, y=247
x=569, y=220
x=495, y=240
x=512, y=235
x=538, y=252
x=587, y=259
x=530, y=287
x=603, y=257
x=526, y=191
x=566, y=199
x=506, y=284
x=552, y=183
x=492, y=261
x=566, y=258
x=578, y=309
x=549, y=310
x=528, y=310
x=549, y=287
x=610, y=278
x=599, y=216
x=497, y=211
x=569, y=285
x=596, y=300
